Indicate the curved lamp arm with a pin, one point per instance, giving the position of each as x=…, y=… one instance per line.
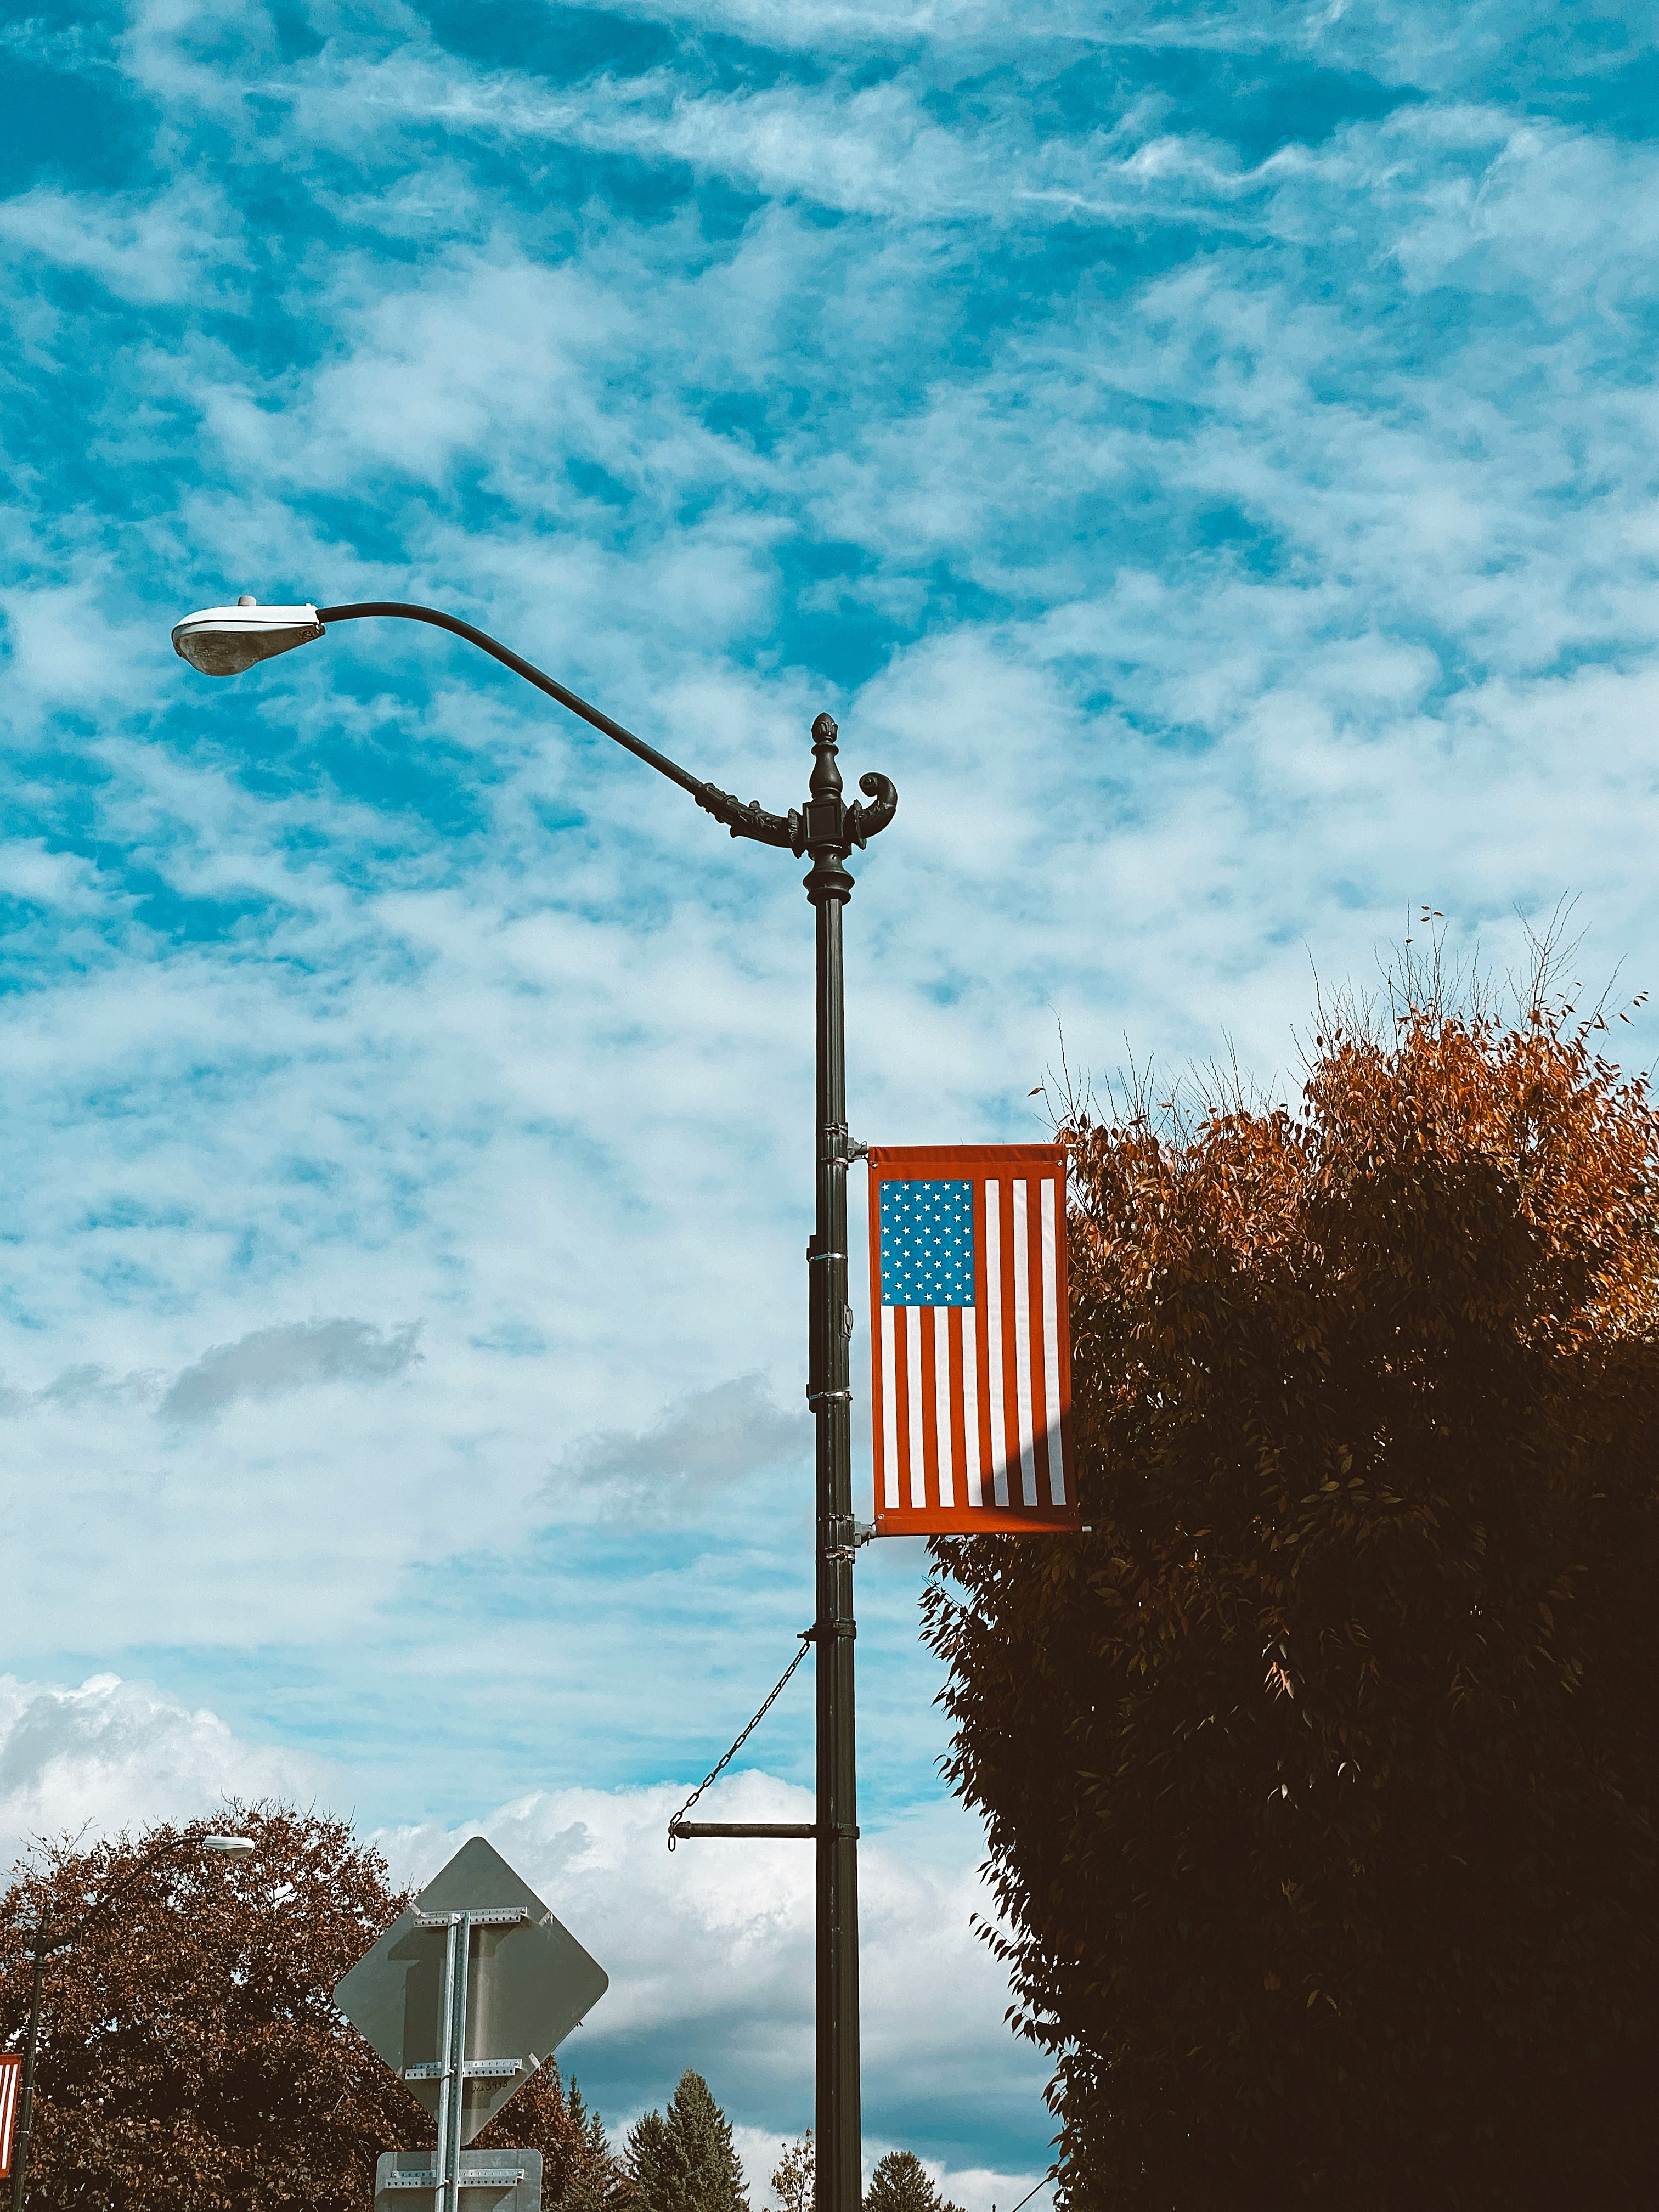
x=750, y=821
x=225, y=1846
x=227, y=641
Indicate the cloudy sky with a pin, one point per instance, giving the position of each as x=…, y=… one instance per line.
x=1203, y=452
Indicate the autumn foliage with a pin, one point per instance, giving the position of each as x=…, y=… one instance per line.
x=1320, y=1776
x=192, y=2057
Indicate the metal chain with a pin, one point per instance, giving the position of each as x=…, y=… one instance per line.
x=807, y=1636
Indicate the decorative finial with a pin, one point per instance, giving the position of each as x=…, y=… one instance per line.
x=826, y=776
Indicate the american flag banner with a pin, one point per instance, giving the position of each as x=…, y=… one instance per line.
x=970, y=1355
x=11, y=2071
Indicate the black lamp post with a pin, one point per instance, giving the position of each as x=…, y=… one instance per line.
x=47, y=1942
x=225, y=640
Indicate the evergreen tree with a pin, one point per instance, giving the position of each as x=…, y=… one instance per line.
x=900, y=2183
x=580, y=2173
x=684, y=2160
x=650, y=2164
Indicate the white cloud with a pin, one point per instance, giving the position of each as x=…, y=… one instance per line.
x=172, y=247
x=64, y=646
x=114, y=1756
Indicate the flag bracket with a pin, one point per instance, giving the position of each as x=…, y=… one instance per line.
x=840, y=1147
x=677, y=1826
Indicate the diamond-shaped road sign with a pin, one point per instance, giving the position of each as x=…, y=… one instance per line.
x=465, y=1997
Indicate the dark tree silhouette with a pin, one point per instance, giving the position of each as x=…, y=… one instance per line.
x=1319, y=1777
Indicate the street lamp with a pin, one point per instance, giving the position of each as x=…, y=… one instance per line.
x=46, y=1942
x=225, y=642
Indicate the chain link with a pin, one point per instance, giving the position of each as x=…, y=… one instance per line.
x=807, y=1636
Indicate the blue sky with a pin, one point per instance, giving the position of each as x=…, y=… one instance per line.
x=1204, y=454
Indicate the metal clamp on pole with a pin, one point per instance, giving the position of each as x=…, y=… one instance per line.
x=840, y=1149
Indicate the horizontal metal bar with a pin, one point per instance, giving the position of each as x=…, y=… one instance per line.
x=475, y=2070
x=685, y=1828
x=474, y=2177
x=494, y=1915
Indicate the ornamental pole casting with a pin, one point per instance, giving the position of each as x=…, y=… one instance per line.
x=825, y=830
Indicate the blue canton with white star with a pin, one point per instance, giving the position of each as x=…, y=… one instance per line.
x=927, y=1244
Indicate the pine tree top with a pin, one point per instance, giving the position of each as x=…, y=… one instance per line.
x=684, y=2160
x=900, y=2183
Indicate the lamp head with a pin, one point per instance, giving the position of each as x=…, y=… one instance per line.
x=230, y=1847
x=224, y=641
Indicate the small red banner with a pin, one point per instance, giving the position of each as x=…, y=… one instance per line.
x=11, y=2076
x=970, y=1351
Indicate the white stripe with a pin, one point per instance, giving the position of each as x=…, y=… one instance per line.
x=888, y=1410
x=993, y=1340
x=970, y=1406
x=1023, y=1341
x=947, y=1494
x=1051, y=1348
x=918, y=1464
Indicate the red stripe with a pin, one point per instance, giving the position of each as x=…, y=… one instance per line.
x=1034, y=1311
x=1062, y=1314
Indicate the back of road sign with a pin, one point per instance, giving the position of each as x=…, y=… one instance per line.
x=472, y=1990
x=494, y=2180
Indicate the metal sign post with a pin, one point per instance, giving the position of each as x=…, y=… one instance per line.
x=452, y=2070
x=464, y=1997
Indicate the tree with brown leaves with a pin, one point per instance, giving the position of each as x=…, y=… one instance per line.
x=192, y=2057
x=1320, y=1776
